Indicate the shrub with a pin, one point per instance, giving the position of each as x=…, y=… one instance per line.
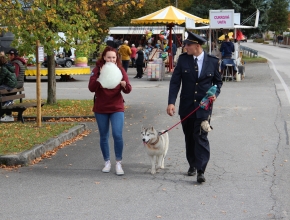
x=259, y=40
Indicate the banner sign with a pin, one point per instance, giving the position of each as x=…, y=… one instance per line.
x=40, y=54
x=221, y=19
x=189, y=23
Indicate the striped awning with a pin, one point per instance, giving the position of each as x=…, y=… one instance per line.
x=168, y=15
x=60, y=71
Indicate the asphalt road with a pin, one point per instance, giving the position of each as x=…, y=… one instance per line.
x=247, y=176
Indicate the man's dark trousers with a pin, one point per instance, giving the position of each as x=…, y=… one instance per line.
x=125, y=64
x=196, y=142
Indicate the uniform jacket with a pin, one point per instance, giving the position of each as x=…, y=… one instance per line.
x=125, y=52
x=108, y=100
x=192, y=89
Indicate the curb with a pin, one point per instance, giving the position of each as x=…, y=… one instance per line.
x=26, y=157
x=46, y=118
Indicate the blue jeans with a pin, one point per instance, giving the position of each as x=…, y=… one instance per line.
x=125, y=64
x=228, y=61
x=117, y=123
x=2, y=87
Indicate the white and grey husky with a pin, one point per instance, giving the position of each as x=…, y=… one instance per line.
x=156, y=147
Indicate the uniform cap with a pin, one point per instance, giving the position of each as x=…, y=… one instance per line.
x=194, y=39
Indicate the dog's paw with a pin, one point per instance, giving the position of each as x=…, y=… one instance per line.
x=153, y=171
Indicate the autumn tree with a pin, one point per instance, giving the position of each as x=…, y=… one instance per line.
x=112, y=13
x=148, y=7
x=42, y=20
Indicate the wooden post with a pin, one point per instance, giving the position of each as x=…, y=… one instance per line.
x=38, y=89
x=170, y=55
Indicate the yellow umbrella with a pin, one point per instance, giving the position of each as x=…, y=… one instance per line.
x=230, y=34
x=169, y=15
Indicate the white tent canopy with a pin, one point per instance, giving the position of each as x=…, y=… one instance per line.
x=141, y=29
x=235, y=27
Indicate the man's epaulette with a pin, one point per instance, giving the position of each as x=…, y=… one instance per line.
x=183, y=54
x=212, y=56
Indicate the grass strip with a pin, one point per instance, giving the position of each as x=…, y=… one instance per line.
x=63, y=107
x=248, y=59
x=17, y=137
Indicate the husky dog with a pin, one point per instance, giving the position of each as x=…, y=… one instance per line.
x=156, y=147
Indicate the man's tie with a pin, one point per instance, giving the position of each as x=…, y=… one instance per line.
x=195, y=68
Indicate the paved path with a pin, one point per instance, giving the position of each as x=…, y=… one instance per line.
x=247, y=176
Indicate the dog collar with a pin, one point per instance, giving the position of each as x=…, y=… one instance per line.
x=155, y=141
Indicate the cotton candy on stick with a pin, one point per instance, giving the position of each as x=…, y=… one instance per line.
x=110, y=76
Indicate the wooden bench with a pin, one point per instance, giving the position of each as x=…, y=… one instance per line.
x=19, y=107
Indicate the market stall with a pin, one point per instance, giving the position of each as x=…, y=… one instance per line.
x=31, y=71
x=170, y=16
x=226, y=20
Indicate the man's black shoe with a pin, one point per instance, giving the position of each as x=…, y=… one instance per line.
x=191, y=171
x=200, y=177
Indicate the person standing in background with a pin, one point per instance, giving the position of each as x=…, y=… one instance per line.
x=125, y=53
x=133, y=54
x=173, y=51
x=140, y=58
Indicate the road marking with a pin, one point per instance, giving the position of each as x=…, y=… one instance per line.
x=287, y=91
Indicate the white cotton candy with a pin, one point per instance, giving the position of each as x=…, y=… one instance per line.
x=110, y=76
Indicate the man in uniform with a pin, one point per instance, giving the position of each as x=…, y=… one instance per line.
x=197, y=72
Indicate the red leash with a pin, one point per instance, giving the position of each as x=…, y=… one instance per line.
x=209, y=104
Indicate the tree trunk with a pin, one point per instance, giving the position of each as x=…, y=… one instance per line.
x=51, y=81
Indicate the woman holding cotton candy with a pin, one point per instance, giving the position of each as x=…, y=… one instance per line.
x=108, y=79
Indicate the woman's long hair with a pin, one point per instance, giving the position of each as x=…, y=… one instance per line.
x=101, y=60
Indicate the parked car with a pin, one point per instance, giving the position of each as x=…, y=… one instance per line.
x=256, y=36
x=60, y=60
x=245, y=39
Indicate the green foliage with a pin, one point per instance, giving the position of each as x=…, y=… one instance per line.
x=44, y=19
x=101, y=49
x=278, y=16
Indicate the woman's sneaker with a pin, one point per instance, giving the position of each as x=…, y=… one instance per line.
x=107, y=167
x=10, y=102
x=119, y=170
